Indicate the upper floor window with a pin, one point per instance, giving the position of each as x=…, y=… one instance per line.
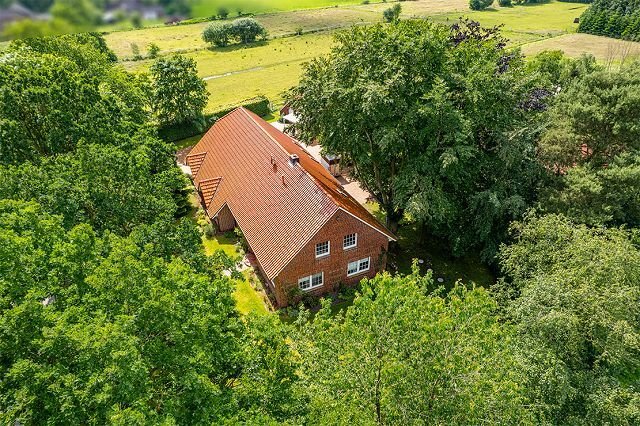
x=358, y=266
x=350, y=241
x=323, y=249
x=311, y=282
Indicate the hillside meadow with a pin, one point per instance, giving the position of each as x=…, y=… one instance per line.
x=269, y=68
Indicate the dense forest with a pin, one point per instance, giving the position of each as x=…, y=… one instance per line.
x=111, y=313
x=613, y=18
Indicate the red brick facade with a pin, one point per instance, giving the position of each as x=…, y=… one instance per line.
x=370, y=244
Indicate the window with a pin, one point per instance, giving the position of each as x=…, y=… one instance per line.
x=358, y=266
x=323, y=249
x=311, y=282
x=350, y=241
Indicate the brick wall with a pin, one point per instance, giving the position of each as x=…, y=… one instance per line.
x=371, y=243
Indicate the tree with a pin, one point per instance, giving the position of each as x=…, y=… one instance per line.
x=179, y=95
x=592, y=143
x=80, y=13
x=594, y=119
x=217, y=33
x=480, y=4
x=153, y=50
x=56, y=92
x=432, y=120
x=247, y=30
x=402, y=356
x=577, y=312
x=392, y=14
x=132, y=330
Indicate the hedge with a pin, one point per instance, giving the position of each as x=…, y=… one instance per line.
x=260, y=106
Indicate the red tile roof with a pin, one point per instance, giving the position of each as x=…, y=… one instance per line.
x=243, y=162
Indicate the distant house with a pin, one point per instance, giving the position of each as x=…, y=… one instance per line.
x=304, y=229
x=17, y=12
x=129, y=7
x=288, y=115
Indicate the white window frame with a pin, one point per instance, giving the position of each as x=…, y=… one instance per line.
x=318, y=256
x=359, y=269
x=354, y=245
x=309, y=278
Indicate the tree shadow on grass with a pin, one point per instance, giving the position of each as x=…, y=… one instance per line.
x=238, y=46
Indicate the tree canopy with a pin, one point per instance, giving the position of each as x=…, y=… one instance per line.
x=576, y=310
x=435, y=122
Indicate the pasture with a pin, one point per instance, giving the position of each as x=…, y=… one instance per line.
x=269, y=68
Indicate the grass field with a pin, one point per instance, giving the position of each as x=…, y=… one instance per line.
x=204, y=8
x=234, y=74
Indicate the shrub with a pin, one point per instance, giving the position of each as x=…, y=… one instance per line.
x=247, y=30
x=505, y=3
x=223, y=12
x=153, y=50
x=392, y=14
x=209, y=230
x=480, y=4
x=217, y=33
x=135, y=50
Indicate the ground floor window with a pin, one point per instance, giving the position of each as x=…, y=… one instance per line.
x=311, y=282
x=358, y=266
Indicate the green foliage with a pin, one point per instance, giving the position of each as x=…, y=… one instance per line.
x=242, y=30
x=577, y=312
x=110, y=343
x=402, y=356
x=153, y=50
x=479, y=4
x=593, y=139
x=80, y=13
x=505, y=3
x=613, y=18
x=178, y=94
x=217, y=33
x=432, y=120
x=57, y=92
x=392, y=14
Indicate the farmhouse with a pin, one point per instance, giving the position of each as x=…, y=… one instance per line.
x=304, y=229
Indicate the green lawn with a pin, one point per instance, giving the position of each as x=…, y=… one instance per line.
x=247, y=298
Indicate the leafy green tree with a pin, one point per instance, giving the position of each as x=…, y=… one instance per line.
x=577, y=313
x=432, y=120
x=402, y=356
x=592, y=143
x=392, y=14
x=179, y=95
x=129, y=330
x=247, y=30
x=594, y=119
x=109, y=188
x=218, y=34
x=153, y=50
x=80, y=13
x=480, y=4
x=58, y=92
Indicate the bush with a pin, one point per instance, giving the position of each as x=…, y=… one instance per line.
x=247, y=30
x=209, y=230
x=505, y=3
x=135, y=50
x=153, y=50
x=217, y=33
x=223, y=12
x=480, y=4
x=392, y=14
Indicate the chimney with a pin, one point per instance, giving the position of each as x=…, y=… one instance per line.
x=293, y=159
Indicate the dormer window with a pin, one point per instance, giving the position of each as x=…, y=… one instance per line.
x=323, y=249
x=350, y=241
